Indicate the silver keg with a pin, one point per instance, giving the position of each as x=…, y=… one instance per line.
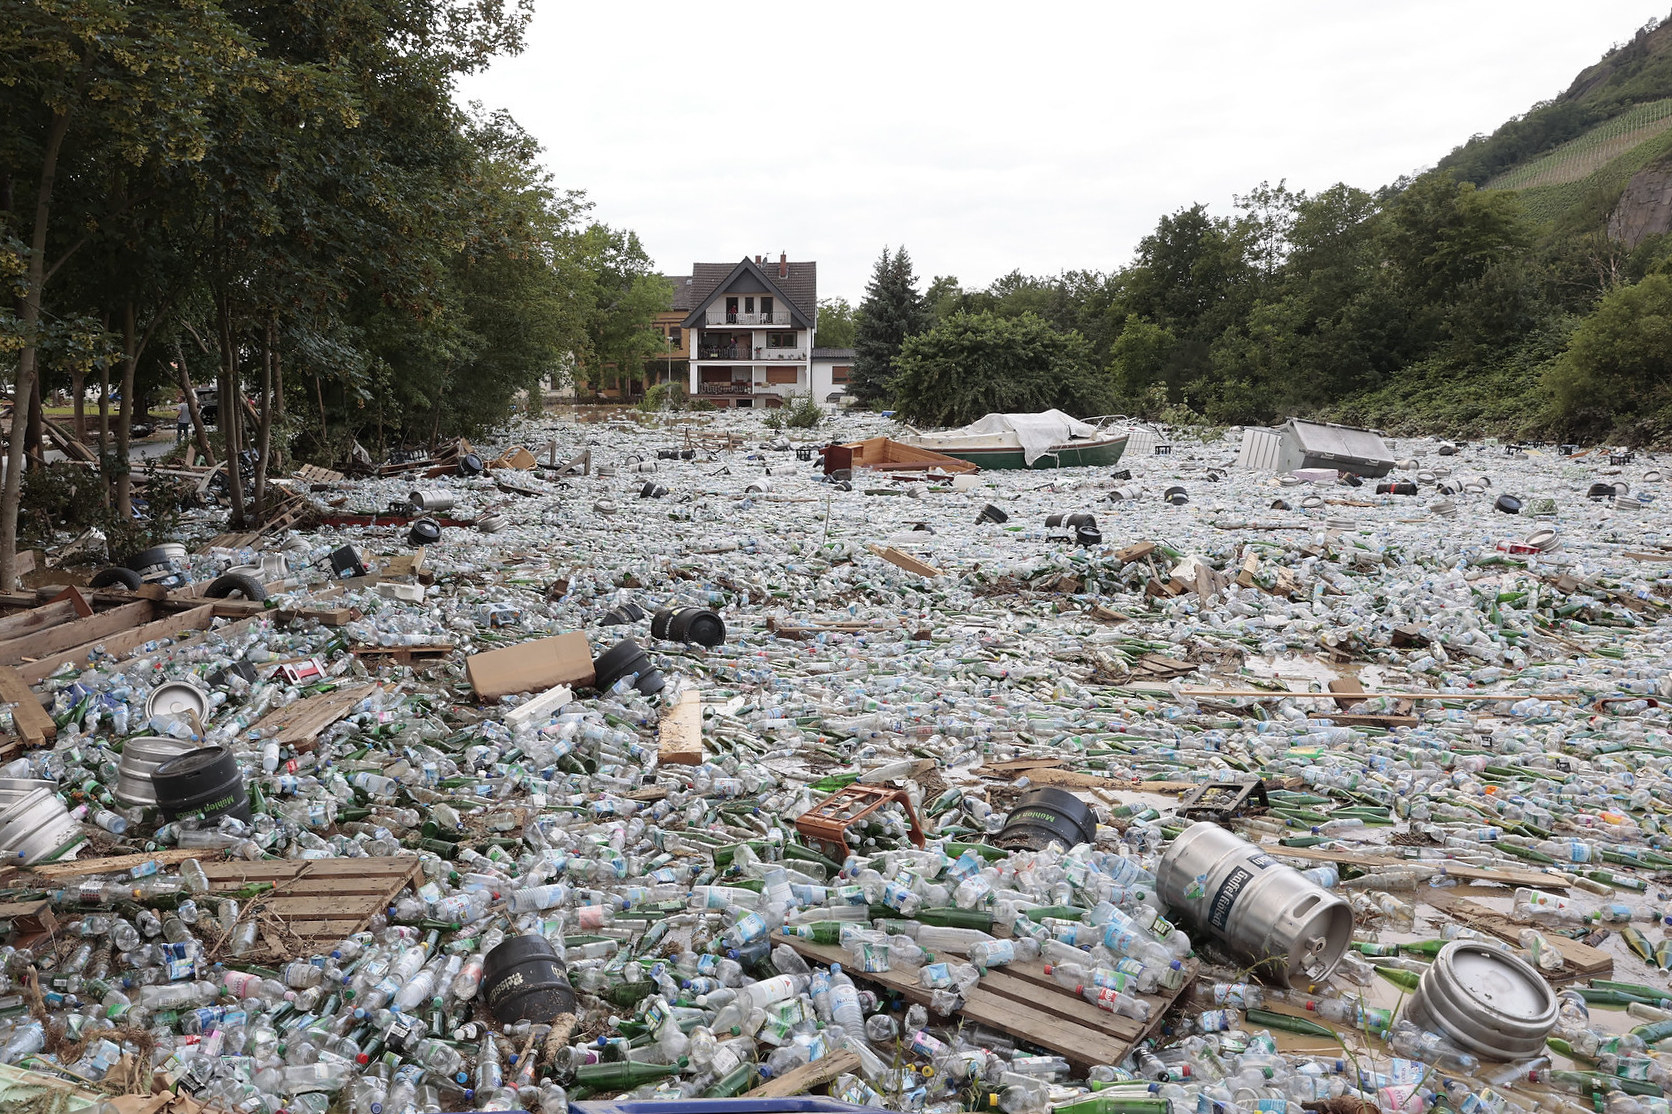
x=1487, y=1000
x=1264, y=911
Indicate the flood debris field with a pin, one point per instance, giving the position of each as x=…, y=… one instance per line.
x=642, y=758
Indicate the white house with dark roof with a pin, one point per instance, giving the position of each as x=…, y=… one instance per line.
x=750, y=327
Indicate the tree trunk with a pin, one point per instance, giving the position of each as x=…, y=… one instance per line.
x=199, y=432
x=125, y=414
x=35, y=433
x=231, y=411
x=78, y=384
x=28, y=356
x=264, y=427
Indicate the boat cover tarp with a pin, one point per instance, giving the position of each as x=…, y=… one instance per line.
x=1036, y=432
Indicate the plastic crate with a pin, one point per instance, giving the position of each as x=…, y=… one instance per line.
x=798, y=1104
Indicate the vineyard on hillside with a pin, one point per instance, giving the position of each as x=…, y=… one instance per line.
x=1579, y=158
x=1593, y=196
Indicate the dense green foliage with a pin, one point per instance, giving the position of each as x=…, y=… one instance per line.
x=283, y=194
x=838, y=323
x=972, y=364
x=892, y=311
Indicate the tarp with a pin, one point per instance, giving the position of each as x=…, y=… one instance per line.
x=1036, y=432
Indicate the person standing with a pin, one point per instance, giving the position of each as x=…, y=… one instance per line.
x=182, y=421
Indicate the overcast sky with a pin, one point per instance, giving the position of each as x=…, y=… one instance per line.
x=987, y=137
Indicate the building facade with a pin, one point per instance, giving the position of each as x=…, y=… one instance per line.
x=750, y=328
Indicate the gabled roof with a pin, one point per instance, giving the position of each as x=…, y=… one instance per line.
x=682, y=290
x=798, y=290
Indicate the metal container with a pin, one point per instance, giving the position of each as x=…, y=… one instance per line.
x=140, y=758
x=432, y=499
x=1486, y=1000
x=1261, y=909
x=1261, y=450
x=36, y=827
x=1322, y=445
x=180, y=699
x=492, y=523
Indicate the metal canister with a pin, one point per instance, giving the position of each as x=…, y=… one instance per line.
x=36, y=827
x=432, y=499
x=140, y=757
x=1487, y=1000
x=1261, y=909
x=177, y=699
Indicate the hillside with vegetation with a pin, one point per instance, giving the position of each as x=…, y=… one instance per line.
x=1518, y=289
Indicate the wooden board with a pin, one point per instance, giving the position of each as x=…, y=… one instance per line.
x=31, y=721
x=1535, y=879
x=314, y=903
x=807, y=1076
x=112, y=864
x=297, y=725
x=1582, y=960
x=904, y=560
x=1025, y=1002
x=124, y=643
x=37, y=618
x=679, y=735
x=78, y=632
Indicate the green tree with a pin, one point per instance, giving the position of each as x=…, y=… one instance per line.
x=893, y=310
x=837, y=324
x=975, y=364
x=1139, y=360
x=1616, y=375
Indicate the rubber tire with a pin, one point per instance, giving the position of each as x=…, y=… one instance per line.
x=116, y=577
x=237, y=583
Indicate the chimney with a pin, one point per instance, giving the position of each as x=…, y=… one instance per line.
x=759, y=259
x=783, y=266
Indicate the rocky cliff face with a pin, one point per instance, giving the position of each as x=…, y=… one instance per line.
x=1645, y=208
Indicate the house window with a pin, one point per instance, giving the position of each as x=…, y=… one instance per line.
x=731, y=310
x=839, y=375
x=788, y=376
x=780, y=340
x=676, y=335
x=748, y=305
x=766, y=309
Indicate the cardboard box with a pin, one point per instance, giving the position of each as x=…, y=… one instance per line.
x=541, y=664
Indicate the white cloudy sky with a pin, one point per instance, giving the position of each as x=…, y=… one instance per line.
x=986, y=137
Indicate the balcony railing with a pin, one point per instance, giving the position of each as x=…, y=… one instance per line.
x=721, y=317
x=748, y=355
x=735, y=387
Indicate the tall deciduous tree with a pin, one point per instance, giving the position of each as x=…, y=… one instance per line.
x=979, y=363
x=893, y=310
x=838, y=324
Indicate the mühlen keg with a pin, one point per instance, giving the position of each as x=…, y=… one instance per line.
x=1261, y=909
x=1486, y=1000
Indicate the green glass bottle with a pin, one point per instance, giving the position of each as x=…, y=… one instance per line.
x=624, y=1075
x=734, y=1082
x=1404, y=980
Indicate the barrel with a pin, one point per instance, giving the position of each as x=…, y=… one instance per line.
x=624, y=659
x=524, y=980
x=492, y=523
x=1507, y=504
x=201, y=784
x=1176, y=496
x=140, y=758
x=36, y=827
x=160, y=564
x=180, y=699
x=1486, y=1000
x=990, y=513
x=1045, y=816
x=432, y=499
x=1264, y=911
x=423, y=531
x=689, y=624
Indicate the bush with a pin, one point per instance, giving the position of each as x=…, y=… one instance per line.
x=797, y=412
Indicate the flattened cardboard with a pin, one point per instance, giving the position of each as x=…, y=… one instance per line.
x=541, y=664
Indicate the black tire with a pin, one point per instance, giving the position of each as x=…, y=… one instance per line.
x=116, y=577
x=237, y=583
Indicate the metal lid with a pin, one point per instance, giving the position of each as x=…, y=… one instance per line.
x=1499, y=982
x=176, y=698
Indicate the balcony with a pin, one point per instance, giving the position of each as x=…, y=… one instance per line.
x=736, y=387
x=721, y=317
x=742, y=354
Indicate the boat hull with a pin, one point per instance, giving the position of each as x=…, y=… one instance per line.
x=1088, y=454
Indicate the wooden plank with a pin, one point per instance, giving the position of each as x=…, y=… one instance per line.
x=679, y=735
x=124, y=643
x=37, y=618
x=113, y=864
x=807, y=1076
x=1351, y=692
x=904, y=560
x=31, y=721
x=1582, y=960
x=16, y=651
x=1464, y=871
x=29, y=916
x=300, y=723
x=1046, y=1016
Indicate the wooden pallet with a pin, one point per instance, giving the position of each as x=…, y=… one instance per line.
x=375, y=656
x=298, y=725
x=314, y=903
x=314, y=474
x=1025, y=1002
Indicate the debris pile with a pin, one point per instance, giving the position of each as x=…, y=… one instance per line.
x=686, y=762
